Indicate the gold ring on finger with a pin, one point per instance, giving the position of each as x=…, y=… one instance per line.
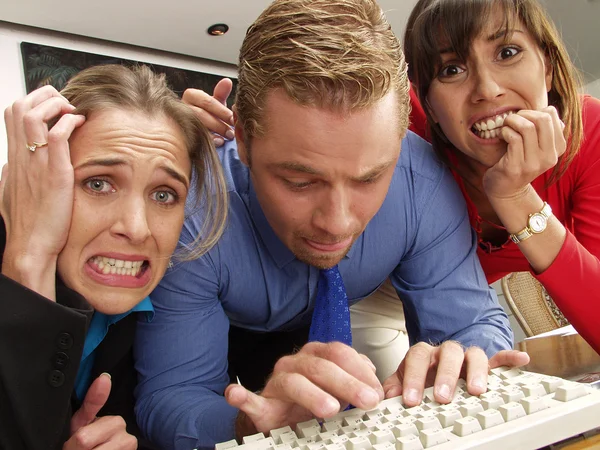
x=33, y=147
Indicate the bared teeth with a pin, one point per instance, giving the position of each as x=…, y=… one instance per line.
x=490, y=128
x=118, y=266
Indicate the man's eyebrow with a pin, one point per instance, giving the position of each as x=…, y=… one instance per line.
x=111, y=162
x=297, y=167
x=374, y=171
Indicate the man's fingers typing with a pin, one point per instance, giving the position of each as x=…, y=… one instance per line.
x=451, y=356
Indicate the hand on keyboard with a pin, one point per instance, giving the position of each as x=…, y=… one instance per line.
x=519, y=410
x=441, y=366
x=319, y=380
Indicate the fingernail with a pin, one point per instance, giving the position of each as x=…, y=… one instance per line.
x=231, y=121
x=106, y=374
x=218, y=142
x=444, y=391
x=479, y=382
x=330, y=407
x=562, y=124
x=368, y=397
x=229, y=134
x=411, y=395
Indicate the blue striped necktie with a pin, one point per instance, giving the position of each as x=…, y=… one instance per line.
x=331, y=317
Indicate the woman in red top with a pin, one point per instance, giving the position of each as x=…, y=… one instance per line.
x=504, y=111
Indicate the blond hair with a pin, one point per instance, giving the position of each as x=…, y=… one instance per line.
x=456, y=23
x=139, y=89
x=340, y=55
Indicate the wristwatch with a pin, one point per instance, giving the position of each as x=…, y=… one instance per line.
x=536, y=223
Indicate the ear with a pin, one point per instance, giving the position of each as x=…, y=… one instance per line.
x=549, y=73
x=240, y=138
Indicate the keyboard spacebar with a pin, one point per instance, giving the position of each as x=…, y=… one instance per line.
x=534, y=431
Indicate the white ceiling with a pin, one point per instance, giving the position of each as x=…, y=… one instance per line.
x=179, y=26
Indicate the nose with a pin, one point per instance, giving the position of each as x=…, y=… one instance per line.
x=334, y=215
x=486, y=85
x=131, y=221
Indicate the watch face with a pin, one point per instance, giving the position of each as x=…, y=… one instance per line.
x=537, y=223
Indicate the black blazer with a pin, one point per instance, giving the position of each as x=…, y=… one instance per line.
x=41, y=343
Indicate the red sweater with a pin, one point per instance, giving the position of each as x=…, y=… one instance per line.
x=573, y=279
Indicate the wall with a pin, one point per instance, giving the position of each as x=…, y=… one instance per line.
x=12, y=81
x=593, y=88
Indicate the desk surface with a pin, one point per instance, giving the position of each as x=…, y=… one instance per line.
x=566, y=357
x=563, y=356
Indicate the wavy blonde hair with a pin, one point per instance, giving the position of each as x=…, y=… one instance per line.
x=340, y=55
x=456, y=23
x=139, y=89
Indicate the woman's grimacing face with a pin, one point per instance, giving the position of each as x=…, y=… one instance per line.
x=498, y=78
x=132, y=176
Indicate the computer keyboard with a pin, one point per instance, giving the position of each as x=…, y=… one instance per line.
x=520, y=410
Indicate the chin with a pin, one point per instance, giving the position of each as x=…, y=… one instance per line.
x=112, y=304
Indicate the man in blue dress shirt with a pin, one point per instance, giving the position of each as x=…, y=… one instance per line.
x=316, y=178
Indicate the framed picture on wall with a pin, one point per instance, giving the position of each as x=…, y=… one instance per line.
x=44, y=64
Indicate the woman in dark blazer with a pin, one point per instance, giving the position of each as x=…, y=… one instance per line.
x=92, y=204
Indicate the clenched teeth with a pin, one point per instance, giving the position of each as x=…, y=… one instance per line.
x=118, y=266
x=490, y=128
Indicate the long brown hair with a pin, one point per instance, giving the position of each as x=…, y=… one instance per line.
x=456, y=23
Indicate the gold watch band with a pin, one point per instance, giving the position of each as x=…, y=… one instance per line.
x=527, y=232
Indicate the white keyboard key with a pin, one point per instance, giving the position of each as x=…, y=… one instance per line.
x=375, y=414
x=498, y=370
x=277, y=432
x=413, y=411
x=325, y=435
x=290, y=436
x=511, y=411
x=465, y=426
x=282, y=447
x=258, y=444
x=470, y=409
x=568, y=392
x=512, y=394
x=319, y=445
x=252, y=438
x=339, y=440
x=533, y=403
x=405, y=429
x=307, y=428
x=533, y=389
x=358, y=443
x=353, y=421
x=510, y=373
x=432, y=436
x=385, y=446
x=447, y=418
x=411, y=442
x=381, y=437
x=332, y=426
x=489, y=418
x=551, y=383
x=426, y=423
x=335, y=447
x=227, y=444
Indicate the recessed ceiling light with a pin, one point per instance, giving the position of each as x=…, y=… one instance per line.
x=218, y=29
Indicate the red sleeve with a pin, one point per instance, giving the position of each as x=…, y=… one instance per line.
x=418, y=120
x=573, y=279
